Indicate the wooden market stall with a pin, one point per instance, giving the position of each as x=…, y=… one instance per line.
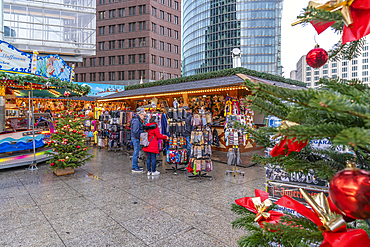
x=215, y=94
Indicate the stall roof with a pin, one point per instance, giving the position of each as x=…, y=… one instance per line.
x=83, y=98
x=213, y=83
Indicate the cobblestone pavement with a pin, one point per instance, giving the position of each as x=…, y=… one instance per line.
x=104, y=204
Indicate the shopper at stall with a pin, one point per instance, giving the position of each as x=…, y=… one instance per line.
x=188, y=128
x=136, y=129
x=152, y=150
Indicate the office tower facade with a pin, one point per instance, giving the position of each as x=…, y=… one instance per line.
x=66, y=28
x=136, y=41
x=212, y=28
x=357, y=68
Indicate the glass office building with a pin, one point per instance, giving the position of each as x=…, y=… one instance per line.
x=212, y=28
x=54, y=26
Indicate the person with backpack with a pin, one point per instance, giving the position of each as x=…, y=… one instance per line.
x=188, y=129
x=152, y=149
x=136, y=129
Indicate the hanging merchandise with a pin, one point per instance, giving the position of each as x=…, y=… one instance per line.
x=233, y=157
x=317, y=57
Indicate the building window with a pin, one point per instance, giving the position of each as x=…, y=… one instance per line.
x=101, y=76
x=101, y=61
x=365, y=73
x=365, y=79
x=101, y=46
x=308, y=73
x=169, y=32
x=153, y=75
x=112, y=29
x=176, y=49
x=101, y=15
x=308, y=68
x=176, y=5
x=141, y=58
x=176, y=64
x=121, y=43
x=111, y=76
x=121, y=75
x=354, y=68
x=169, y=3
x=112, y=60
x=142, y=42
x=316, y=72
x=344, y=69
x=161, y=30
x=344, y=75
x=131, y=43
x=365, y=54
x=142, y=74
x=131, y=10
x=142, y=9
x=308, y=79
x=333, y=71
x=334, y=65
x=92, y=77
x=176, y=20
x=121, y=59
x=154, y=11
x=161, y=77
x=121, y=28
x=153, y=59
x=93, y=61
x=169, y=47
x=366, y=48
x=325, y=72
x=168, y=62
x=161, y=14
x=102, y=1
x=169, y=17
x=175, y=76
x=131, y=27
x=354, y=74
x=176, y=35
x=101, y=30
x=354, y=62
x=344, y=63
x=161, y=45
x=168, y=76
x=112, y=13
x=161, y=61
x=131, y=59
x=121, y=12
x=142, y=25
x=366, y=60
x=112, y=45
x=154, y=43
x=365, y=66
x=154, y=27
x=325, y=66
x=316, y=78
x=131, y=74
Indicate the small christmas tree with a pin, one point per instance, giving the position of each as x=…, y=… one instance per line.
x=68, y=142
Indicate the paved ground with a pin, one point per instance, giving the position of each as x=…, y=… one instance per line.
x=120, y=208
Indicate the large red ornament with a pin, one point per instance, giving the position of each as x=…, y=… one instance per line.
x=350, y=192
x=317, y=57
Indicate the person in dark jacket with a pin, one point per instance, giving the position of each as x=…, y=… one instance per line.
x=136, y=130
x=188, y=129
x=152, y=150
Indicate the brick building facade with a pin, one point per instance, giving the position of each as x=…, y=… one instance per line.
x=134, y=40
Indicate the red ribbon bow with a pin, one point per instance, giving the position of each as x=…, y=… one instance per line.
x=247, y=202
x=342, y=238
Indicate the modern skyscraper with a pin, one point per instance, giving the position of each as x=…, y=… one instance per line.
x=357, y=68
x=65, y=27
x=135, y=40
x=212, y=28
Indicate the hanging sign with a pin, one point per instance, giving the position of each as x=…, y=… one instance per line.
x=14, y=60
x=53, y=66
x=101, y=90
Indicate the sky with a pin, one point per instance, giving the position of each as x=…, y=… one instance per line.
x=299, y=40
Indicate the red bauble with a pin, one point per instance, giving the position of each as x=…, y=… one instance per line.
x=317, y=57
x=78, y=146
x=52, y=164
x=334, y=208
x=350, y=192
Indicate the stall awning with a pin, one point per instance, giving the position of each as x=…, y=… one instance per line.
x=45, y=93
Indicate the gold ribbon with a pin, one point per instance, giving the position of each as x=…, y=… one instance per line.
x=332, y=6
x=261, y=207
x=331, y=222
x=284, y=125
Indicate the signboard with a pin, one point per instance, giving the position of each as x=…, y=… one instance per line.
x=278, y=190
x=101, y=90
x=53, y=66
x=14, y=60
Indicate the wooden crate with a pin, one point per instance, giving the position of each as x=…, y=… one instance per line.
x=65, y=171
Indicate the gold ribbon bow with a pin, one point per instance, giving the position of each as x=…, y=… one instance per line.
x=284, y=125
x=261, y=207
x=319, y=203
x=332, y=6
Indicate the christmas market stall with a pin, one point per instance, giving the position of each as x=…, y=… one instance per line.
x=22, y=137
x=217, y=99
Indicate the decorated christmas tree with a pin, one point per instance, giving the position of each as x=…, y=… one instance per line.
x=338, y=111
x=67, y=141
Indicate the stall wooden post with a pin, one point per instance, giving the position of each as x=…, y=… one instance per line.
x=186, y=100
